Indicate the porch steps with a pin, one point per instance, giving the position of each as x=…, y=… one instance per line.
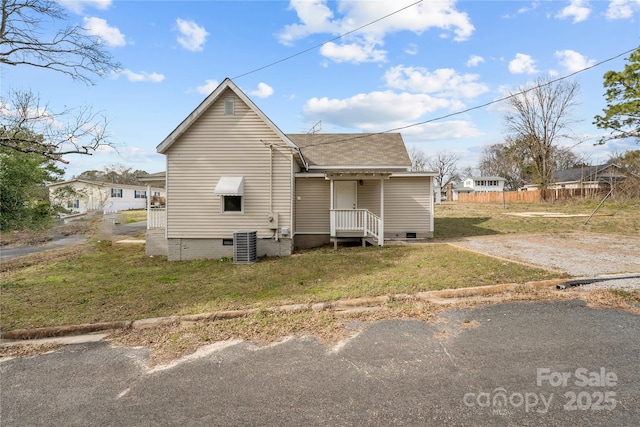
x=369, y=240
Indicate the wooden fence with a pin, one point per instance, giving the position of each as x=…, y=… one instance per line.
x=532, y=196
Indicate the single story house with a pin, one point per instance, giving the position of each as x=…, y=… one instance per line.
x=79, y=196
x=585, y=177
x=230, y=169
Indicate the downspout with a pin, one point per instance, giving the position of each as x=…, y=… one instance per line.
x=271, y=214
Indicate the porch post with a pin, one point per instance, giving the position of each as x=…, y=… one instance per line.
x=148, y=203
x=332, y=216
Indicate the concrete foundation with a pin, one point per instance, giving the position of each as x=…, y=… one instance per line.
x=156, y=244
x=189, y=249
x=308, y=241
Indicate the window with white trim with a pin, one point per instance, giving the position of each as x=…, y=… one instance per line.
x=116, y=192
x=139, y=194
x=71, y=204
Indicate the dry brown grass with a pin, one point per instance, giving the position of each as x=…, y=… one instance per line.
x=169, y=342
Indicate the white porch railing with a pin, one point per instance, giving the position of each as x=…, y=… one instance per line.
x=156, y=218
x=357, y=221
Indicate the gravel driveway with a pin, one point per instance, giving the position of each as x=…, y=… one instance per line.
x=578, y=254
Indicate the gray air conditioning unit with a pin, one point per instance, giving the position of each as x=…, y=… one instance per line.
x=245, y=247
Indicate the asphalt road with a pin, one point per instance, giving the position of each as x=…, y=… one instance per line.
x=62, y=241
x=526, y=364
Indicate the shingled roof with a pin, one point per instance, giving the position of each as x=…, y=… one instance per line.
x=359, y=149
x=605, y=172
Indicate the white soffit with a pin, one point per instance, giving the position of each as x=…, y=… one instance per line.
x=230, y=186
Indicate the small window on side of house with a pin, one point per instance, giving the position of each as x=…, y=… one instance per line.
x=116, y=192
x=229, y=106
x=231, y=204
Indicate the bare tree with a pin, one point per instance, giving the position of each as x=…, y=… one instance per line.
x=445, y=166
x=418, y=159
x=71, y=50
x=467, y=172
x=508, y=161
x=539, y=116
x=27, y=126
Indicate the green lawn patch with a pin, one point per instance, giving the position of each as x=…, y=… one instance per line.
x=454, y=220
x=119, y=282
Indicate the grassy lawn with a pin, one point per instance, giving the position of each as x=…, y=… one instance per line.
x=101, y=281
x=135, y=215
x=455, y=220
x=118, y=282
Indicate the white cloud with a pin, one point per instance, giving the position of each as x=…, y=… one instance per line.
x=77, y=6
x=443, y=81
x=208, y=87
x=263, y=91
x=140, y=77
x=412, y=49
x=474, y=60
x=577, y=9
x=522, y=10
x=192, y=36
x=98, y=27
x=355, y=53
x=373, y=111
x=622, y=9
x=573, y=61
x=440, y=131
x=523, y=64
x=316, y=17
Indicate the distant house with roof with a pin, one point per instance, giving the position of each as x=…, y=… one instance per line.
x=230, y=169
x=79, y=196
x=584, y=177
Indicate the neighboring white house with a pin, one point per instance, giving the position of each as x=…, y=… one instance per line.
x=79, y=196
x=479, y=184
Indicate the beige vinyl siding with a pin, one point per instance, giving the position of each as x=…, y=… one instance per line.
x=369, y=196
x=219, y=145
x=312, y=206
x=407, y=204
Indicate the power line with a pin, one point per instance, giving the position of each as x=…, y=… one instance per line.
x=325, y=42
x=446, y=116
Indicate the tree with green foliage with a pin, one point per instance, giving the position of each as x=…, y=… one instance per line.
x=23, y=194
x=34, y=137
x=622, y=114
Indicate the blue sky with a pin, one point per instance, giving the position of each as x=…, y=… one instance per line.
x=430, y=60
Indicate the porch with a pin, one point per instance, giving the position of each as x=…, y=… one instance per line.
x=357, y=206
x=348, y=223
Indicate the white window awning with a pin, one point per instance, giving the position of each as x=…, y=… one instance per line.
x=230, y=186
